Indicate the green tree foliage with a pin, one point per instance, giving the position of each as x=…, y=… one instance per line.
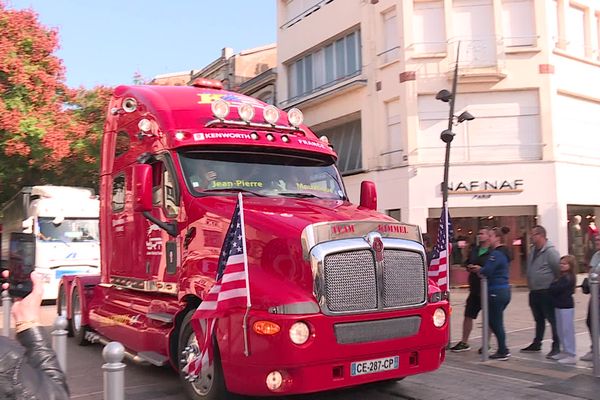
x=48, y=133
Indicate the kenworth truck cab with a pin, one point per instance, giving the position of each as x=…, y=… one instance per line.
x=340, y=294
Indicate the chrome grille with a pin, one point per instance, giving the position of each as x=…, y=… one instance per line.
x=350, y=281
x=403, y=278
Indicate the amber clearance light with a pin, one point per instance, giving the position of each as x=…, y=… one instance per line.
x=266, y=328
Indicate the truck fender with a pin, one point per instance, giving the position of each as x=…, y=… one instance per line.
x=189, y=303
x=66, y=285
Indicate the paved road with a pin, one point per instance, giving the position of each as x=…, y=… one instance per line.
x=462, y=376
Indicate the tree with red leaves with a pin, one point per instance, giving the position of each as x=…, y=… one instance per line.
x=48, y=133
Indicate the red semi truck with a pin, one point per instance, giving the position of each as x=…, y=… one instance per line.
x=340, y=294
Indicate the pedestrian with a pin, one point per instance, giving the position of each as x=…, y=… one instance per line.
x=477, y=256
x=594, y=268
x=496, y=270
x=29, y=369
x=562, y=290
x=543, y=267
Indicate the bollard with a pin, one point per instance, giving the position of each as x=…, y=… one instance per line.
x=485, y=316
x=594, y=315
x=59, y=341
x=6, y=306
x=114, y=371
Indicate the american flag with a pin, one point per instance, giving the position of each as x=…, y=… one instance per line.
x=229, y=292
x=438, y=266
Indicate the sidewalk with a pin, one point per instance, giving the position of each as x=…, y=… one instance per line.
x=574, y=380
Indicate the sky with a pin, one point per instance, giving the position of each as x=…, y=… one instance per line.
x=105, y=42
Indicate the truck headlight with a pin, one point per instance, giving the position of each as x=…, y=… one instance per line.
x=439, y=317
x=299, y=333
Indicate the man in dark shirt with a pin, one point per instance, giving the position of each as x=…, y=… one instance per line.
x=478, y=256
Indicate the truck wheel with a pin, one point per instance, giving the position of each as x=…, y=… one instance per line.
x=79, y=330
x=61, y=309
x=210, y=385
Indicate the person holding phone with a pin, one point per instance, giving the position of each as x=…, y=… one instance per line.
x=29, y=368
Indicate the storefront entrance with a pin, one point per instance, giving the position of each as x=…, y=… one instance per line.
x=467, y=225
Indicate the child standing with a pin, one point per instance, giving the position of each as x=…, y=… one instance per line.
x=562, y=290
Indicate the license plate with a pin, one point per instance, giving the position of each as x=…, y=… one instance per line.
x=373, y=366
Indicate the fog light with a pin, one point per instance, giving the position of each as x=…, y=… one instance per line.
x=246, y=112
x=271, y=114
x=220, y=108
x=274, y=380
x=295, y=117
x=439, y=318
x=299, y=333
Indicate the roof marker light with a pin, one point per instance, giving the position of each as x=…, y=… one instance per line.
x=285, y=139
x=324, y=139
x=295, y=117
x=220, y=108
x=254, y=136
x=179, y=135
x=246, y=112
x=145, y=125
x=271, y=114
x=270, y=137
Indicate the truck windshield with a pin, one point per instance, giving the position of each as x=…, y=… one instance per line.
x=261, y=173
x=69, y=230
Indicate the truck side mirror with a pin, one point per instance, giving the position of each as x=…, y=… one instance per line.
x=142, y=187
x=368, y=195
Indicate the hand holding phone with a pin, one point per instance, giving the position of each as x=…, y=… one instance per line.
x=21, y=264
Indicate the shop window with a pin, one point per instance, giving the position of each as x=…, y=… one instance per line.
x=429, y=27
x=330, y=64
x=391, y=38
x=582, y=230
x=346, y=141
x=518, y=23
x=395, y=213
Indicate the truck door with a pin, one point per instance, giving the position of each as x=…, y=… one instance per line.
x=160, y=251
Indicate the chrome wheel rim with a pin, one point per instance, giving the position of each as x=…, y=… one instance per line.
x=62, y=304
x=203, y=383
x=76, y=307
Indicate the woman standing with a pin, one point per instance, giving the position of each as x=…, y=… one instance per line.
x=562, y=290
x=496, y=270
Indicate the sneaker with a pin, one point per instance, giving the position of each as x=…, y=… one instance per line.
x=570, y=360
x=552, y=354
x=589, y=356
x=532, y=348
x=460, y=346
x=559, y=356
x=500, y=356
x=481, y=349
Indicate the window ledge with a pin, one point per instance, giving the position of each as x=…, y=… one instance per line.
x=389, y=63
x=566, y=54
x=429, y=55
x=323, y=94
x=521, y=50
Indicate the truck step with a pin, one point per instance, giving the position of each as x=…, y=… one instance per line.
x=153, y=358
x=162, y=317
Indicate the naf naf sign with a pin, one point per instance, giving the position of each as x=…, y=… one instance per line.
x=483, y=189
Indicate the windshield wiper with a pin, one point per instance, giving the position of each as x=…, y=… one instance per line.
x=233, y=190
x=300, y=195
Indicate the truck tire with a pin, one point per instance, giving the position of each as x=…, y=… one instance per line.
x=79, y=329
x=61, y=309
x=211, y=384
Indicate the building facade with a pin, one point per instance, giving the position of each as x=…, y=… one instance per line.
x=235, y=70
x=366, y=73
